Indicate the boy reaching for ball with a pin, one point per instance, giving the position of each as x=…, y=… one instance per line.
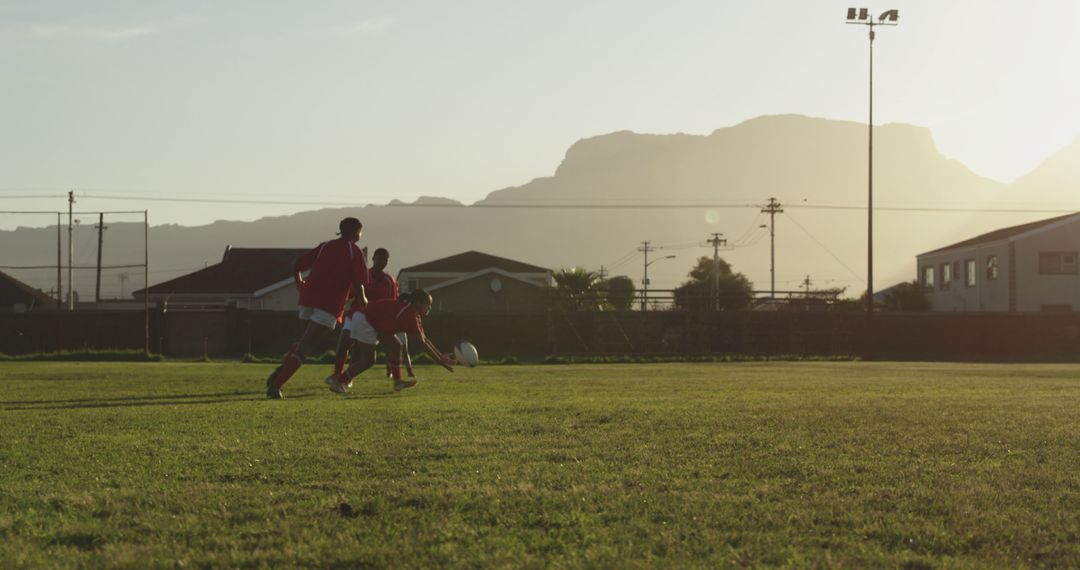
x=380, y=286
x=378, y=324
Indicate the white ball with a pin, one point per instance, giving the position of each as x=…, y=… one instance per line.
x=466, y=354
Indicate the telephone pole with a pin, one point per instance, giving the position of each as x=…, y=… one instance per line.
x=772, y=208
x=806, y=303
x=645, y=248
x=716, y=241
x=71, y=250
x=100, y=240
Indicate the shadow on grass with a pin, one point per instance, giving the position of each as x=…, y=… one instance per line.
x=169, y=400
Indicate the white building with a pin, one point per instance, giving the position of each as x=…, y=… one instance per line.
x=1027, y=268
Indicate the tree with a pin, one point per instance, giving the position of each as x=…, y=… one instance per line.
x=736, y=291
x=618, y=292
x=907, y=297
x=574, y=288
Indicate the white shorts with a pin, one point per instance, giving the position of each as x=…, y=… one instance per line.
x=361, y=331
x=318, y=316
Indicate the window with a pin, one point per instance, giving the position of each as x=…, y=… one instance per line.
x=991, y=267
x=969, y=273
x=1057, y=263
x=928, y=277
x=946, y=276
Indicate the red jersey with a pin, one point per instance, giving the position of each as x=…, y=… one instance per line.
x=336, y=266
x=393, y=316
x=378, y=288
x=381, y=286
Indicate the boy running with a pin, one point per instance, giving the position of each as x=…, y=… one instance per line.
x=337, y=268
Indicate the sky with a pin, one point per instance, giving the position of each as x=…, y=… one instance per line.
x=341, y=102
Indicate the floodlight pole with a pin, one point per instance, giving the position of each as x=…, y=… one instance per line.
x=861, y=17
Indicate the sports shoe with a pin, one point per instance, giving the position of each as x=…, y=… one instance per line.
x=272, y=391
x=334, y=382
x=400, y=385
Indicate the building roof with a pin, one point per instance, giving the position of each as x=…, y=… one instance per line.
x=242, y=271
x=471, y=262
x=1002, y=234
x=15, y=292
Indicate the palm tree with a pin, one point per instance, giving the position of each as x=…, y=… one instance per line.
x=574, y=287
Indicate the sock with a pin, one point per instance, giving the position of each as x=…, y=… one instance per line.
x=395, y=369
x=340, y=361
x=289, y=365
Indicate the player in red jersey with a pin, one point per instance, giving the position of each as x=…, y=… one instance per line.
x=378, y=324
x=380, y=286
x=336, y=269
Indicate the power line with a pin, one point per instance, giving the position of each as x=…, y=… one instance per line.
x=827, y=250
x=564, y=206
x=32, y=197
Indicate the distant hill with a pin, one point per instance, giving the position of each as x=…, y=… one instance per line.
x=815, y=167
x=1055, y=182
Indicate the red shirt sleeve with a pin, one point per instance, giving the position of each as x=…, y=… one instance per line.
x=306, y=261
x=396, y=293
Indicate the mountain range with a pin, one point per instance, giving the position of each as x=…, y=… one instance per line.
x=614, y=191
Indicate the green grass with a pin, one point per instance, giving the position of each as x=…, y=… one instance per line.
x=665, y=465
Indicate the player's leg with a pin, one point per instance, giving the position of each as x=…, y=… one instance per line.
x=363, y=357
x=404, y=338
x=363, y=339
x=341, y=351
x=319, y=322
x=392, y=348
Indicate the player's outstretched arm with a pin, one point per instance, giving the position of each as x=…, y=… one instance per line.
x=444, y=360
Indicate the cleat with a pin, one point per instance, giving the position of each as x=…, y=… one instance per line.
x=400, y=385
x=272, y=391
x=334, y=382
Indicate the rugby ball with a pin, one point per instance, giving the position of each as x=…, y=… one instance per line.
x=466, y=354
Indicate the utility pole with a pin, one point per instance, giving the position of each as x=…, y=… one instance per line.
x=71, y=250
x=806, y=284
x=602, y=273
x=100, y=240
x=59, y=265
x=123, y=281
x=645, y=248
x=772, y=208
x=716, y=241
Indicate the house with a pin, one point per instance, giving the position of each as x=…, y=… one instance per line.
x=480, y=283
x=18, y=297
x=1026, y=268
x=246, y=278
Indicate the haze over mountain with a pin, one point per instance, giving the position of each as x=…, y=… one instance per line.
x=816, y=167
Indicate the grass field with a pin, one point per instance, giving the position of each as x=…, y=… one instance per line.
x=800, y=464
